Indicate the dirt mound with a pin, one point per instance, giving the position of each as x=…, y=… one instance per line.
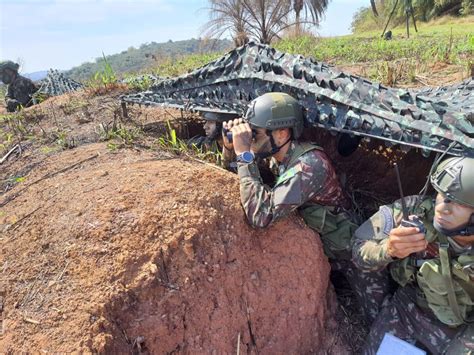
x=144, y=252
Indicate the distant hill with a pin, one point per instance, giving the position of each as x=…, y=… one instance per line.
x=37, y=75
x=135, y=60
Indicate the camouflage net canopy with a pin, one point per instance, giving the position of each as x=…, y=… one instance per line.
x=431, y=119
x=56, y=83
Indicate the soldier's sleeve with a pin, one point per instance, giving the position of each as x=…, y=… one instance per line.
x=263, y=205
x=369, y=250
x=228, y=157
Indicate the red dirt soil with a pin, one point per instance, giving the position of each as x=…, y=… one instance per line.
x=146, y=253
x=136, y=250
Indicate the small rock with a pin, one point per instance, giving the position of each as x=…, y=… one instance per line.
x=153, y=269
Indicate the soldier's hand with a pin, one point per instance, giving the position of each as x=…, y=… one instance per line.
x=242, y=137
x=404, y=241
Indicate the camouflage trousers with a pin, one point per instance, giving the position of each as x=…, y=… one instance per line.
x=401, y=317
x=370, y=287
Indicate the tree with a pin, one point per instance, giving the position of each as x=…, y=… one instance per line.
x=423, y=10
x=313, y=9
x=227, y=16
x=266, y=18
x=374, y=8
x=262, y=20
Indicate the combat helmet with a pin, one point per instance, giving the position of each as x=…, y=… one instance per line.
x=218, y=116
x=454, y=178
x=8, y=64
x=276, y=110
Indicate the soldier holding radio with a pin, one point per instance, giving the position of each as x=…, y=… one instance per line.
x=434, y=267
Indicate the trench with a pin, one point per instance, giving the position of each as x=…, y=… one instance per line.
x=155, y=317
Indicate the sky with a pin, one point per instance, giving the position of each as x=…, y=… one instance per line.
x=61, y=34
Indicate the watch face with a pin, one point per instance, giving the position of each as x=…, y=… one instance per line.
x=246, y=157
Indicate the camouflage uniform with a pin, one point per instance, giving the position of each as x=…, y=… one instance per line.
x=307, y=181
x=410, y=313
x=19, y=92
x=311, y=178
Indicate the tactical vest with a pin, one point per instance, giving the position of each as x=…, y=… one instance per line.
x=335, y=227
x=444, y=282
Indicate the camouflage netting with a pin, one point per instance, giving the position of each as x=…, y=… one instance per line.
x=56, y=83
x=431, y=119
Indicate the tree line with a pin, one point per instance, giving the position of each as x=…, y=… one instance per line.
x=148, y=55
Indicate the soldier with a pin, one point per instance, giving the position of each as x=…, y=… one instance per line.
x=212, y=141
x=213, y=130
x=435, y=269
x=306, y=181
x=20, y=89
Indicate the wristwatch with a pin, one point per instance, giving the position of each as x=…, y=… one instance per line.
x=245, y=157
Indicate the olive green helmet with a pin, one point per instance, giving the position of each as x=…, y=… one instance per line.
x=454, y=178
x=276, y=110
x=218, y=116
x=8, y=64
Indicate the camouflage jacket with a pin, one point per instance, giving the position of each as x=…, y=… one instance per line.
x=307, y=178
x=424, y=269
x=370, y=240
x=21, y=90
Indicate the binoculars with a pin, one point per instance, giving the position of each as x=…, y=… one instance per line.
x=228, y=134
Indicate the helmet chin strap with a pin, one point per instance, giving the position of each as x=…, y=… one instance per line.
x=464, y=231
x=275, y=148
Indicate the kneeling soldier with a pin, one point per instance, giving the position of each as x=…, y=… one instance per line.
x=20, y=90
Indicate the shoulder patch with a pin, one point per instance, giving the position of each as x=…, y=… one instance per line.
x=387, y=219
x=288, y=174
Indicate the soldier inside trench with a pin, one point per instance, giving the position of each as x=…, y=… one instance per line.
x=433, y=263
x=212, y=141
x=306, y=181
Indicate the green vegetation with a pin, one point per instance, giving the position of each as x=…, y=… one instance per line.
x=3, y=91
x=390, y=62
x=170, y=141
x=451, y=43
x=399, y=59
x=117, y=134
x=104, y=77
x=146, y=57
x=184, y=64
x=423, y=10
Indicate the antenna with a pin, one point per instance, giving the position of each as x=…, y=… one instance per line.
x=399, y=180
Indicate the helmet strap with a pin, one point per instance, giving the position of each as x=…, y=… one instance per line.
x=275, y=148
x=464, y=231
